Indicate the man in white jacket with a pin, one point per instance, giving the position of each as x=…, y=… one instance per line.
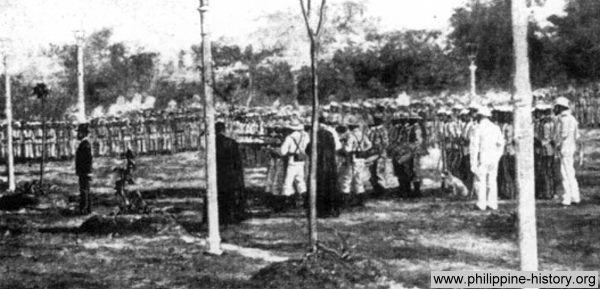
x=485, y=150
x=566, y=145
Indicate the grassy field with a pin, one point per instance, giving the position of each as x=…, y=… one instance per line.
x=43, y=247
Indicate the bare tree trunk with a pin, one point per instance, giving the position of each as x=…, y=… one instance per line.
x=10, y=163
x=313, y=35
x=312, y=173
x=214, y=237
x=524, y=139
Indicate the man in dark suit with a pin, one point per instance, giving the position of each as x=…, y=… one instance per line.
x=230, y=178
x=83, y=168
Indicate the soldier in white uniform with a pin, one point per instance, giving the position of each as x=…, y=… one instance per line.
x=486, y=148
x=567, y=133
x=294, y=148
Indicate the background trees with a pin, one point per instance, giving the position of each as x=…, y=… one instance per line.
x=357, y=60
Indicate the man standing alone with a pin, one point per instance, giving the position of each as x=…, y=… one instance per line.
x=486, y=148
x=566, y=145
x=83, y=168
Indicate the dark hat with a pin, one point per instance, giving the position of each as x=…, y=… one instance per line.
x=83, y=128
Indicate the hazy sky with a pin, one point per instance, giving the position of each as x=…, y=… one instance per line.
x=169, y=25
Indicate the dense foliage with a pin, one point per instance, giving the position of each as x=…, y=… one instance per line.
x=357, y=60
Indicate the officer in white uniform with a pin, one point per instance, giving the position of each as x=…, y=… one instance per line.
x=567, y=133
x=486, y=148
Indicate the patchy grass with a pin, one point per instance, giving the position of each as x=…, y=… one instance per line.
x=46, y=246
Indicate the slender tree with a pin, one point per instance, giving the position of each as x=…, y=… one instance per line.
x=524, y=139
x=214, y=236
x=9, y=137
x=313, y=36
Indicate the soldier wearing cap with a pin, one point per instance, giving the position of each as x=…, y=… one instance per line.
x=195, y=133
x=294, y=148
x=38, y=136
x=466, y=131
x=453, y=140
x=152, y=135
x=566, y=137
x=102, y=137
x=179, y=130
x=378, y=135
x=406, y=153
x=83, y=168
x=355, y=147
x=126, y=135
x=3, y=150
x=51, y=140
x=443, y=118
x=18, y=140
x=544, y=153
x=28, y=141
x=507, y=186
x=72, y=135
x=485, y=149
x=60, y=140
x=116, y=137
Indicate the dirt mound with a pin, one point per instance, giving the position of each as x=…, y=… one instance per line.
x=318, y=271
x=125, y=225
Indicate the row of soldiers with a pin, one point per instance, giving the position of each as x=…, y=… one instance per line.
x=585, y=103
x=454, y=128
x=108, y=137
x=365, y=141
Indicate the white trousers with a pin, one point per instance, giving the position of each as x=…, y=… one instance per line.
x=294, y=179
x=353, y=176
x=487, y=187
x=569, y=182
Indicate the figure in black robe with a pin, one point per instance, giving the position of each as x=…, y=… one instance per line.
x=83, y=168
x=329, y=198
x=230, y=178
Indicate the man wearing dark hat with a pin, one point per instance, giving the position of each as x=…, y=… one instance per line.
x=83, y=168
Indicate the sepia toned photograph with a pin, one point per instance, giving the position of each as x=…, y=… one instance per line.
x=319, y=144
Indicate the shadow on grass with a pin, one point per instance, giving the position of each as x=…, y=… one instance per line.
x=212, y=282
x=410, y=279
x=279, y=246
x=64, y=280
x=421, y=252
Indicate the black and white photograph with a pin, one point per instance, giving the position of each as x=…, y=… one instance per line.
x=317, y=144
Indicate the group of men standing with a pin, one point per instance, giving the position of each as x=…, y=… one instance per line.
x=478, y=146
x=351, y=145
x=142, y=133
